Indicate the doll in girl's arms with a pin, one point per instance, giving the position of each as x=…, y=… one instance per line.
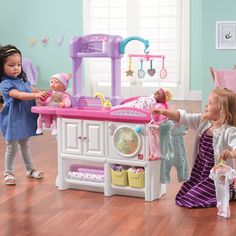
x=56, y=97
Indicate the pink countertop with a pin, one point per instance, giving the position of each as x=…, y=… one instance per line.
x=125, y=114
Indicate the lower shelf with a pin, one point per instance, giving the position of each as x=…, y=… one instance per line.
x=85, y=183
x=115, y=187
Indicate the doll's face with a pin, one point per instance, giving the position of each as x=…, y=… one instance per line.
x=56, y=85
x=160, y=96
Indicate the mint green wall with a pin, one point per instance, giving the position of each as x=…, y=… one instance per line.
x=212, y=11
x=203, y=53
x=25, y=19
x=195, y=45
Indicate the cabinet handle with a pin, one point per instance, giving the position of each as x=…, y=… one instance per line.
x=82, y=138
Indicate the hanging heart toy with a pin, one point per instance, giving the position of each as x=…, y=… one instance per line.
x=151, y=71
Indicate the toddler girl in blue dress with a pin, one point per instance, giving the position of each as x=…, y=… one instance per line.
x=17, y=122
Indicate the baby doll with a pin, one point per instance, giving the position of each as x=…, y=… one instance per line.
x=160, y=96
x=56, y=97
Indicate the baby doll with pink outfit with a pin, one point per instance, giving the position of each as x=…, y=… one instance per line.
x=161, y=95
x=56, y=97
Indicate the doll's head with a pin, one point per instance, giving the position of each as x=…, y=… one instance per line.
x=163, y=95
x=59, y=82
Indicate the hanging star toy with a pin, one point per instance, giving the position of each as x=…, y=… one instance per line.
x=129, y=72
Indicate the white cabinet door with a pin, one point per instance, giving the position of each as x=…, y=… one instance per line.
x=83, y=137
x=93, y=138
x=71, y=136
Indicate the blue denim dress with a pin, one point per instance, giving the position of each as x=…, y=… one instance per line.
x=16, y=119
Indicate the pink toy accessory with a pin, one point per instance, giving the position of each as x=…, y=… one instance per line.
x=48, y=93
x=63, y=78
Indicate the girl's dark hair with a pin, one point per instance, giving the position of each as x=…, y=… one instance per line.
x=6, y=51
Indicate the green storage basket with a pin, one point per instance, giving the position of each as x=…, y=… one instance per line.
x=136, y=180
x=119, y=178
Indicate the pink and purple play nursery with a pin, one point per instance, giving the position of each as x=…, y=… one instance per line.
x=118, y=118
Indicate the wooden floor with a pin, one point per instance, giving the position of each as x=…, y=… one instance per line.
x=36, y=207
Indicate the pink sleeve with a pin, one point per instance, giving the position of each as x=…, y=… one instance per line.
x=66, y=99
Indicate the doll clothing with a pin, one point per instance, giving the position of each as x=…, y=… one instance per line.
x=223, y=176
x=167, y=149
x=179, y=158
x=53, y=101
x=144, y=103
x=154, y=144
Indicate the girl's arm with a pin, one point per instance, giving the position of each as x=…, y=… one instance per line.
x=34, y=89
x=226, y=154
x=171, y=114
x=25, y=95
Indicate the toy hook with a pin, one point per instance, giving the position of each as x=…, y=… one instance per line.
x=145, y=50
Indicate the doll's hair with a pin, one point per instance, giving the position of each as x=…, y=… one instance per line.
x=227, y=100
x=6, y=51
x=166, y=94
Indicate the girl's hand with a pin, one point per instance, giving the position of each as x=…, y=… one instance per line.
x=226, y=154
x=43, y=96
x=156, y=111
x=61, y=104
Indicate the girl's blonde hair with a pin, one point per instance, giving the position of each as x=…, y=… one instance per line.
x=227, y=100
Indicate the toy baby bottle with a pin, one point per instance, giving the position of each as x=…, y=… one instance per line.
x=43, y=99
